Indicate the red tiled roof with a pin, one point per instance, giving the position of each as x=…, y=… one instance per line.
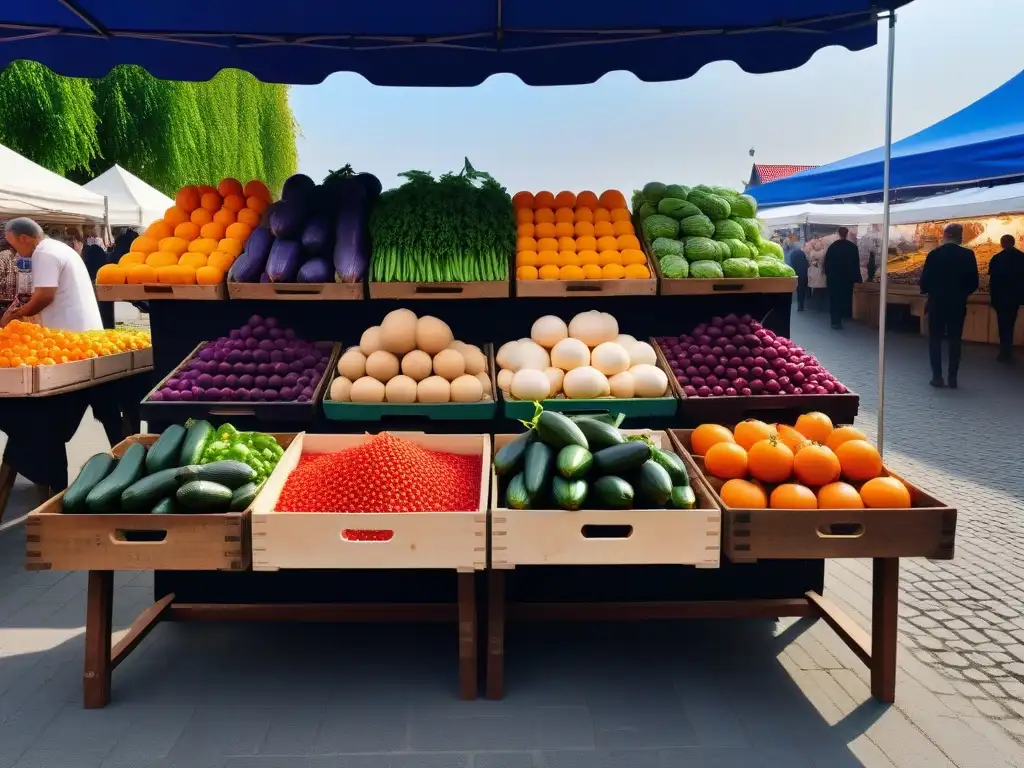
x=775, y=172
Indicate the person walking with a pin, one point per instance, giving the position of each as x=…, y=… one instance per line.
x=842, y=270
x=949, y=277
x=1006, y=292
x=797, y=259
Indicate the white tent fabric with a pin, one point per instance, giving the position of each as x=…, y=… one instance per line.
x=132, y=202
x=27, y=189
x=962, y=204
x=849, y=214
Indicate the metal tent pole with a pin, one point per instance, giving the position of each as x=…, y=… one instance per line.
x=884, y=277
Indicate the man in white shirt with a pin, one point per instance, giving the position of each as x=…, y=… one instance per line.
x=62, y=293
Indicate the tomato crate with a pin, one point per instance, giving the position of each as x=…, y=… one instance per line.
x=59, y=541
x=441, y=540
x=926, y=529
x=603, y=536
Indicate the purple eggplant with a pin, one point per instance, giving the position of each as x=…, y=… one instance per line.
x=283, y=263
x=264, y=278
x=286, y=218
x=352, y=246
x=316, y=237
x=316, y=270
x=298, y=188
x=251, y=263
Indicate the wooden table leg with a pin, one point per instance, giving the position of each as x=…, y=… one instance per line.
x=884, y=617
x=495, y=634
x=468, y=637
x=98, y=626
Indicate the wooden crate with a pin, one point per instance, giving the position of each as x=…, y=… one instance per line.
x=432, y=540
x=151, y=291
x=112, y=365
x=590, y=289
x=693, y=286
x=927, y=529
x=1018, y=329
x=137, y=542
x=142, y=358
x=64, y=375
x=17, y=382
x=296, y=291
x=606, y=537
x=482, y=289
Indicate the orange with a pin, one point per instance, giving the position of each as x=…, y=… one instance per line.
x=583, y=229
x=751, y=431
x=527, y=272
x=159, y=229
x=612, y=199
x=814, y=426
x=568, y=259
x=230, y=246
x=234, y=203
x=547, y=244
x=141, y=273
x=814, y=464
x=885, y=492
x=860, y=460
x=567, y=244
x=230, y=186
x=187, y=231
x=257, y=204
x=543, y=199
x=632, y=256
x=203, y=245
x=587, y=256
x=526, y=244
x=622, y=227
x=591, y=271
x=213, y=230
x=584, y=216
x=742, y=494
x=211, y=201
x=770, y=460
x=587, y=199
x=201, y=216
x=603, y=215
x=543, y=216
x=174, y=245
x=548, y=272
x=547, y=258
x=174, y=216
x=526, y=259
x=839, y=496
x=605, y=258
x=565, y=200
x=565, y=215
x=627, y=242
x=570, y=272
x=238, y=231
x=564, y=229
x=132, y=258
x=111, y=274
x=545, y=229
x=788, y=435
x=145, y=244
x=793, y=496
x=840, y=435
x=637, y=272
x=604, y=229
x=526, y=230
x=162, y=259
x=204, y=188
x=726, y=460
x=613, y=272
x=224, y=217
x=607, y=244
x=209, y=276
x=620, y=215
x=522, y=200
x=221, y=261
x=586, y=243
x=706, y=435
x=524, y=216
x=256, y=188
x=187, y=199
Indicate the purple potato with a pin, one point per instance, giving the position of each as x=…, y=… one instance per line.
x=172, y=395
x=304, y=398
x=206, y=354
x=271, y=322
x=302, y=381
x=231, y=381
x=249, y=368
x=219, y=379
x=265, y=369
x=198, y=393
x=703, y=391
x=224, y=368
x=261, y=382
x=690, y=391
x=245, y=381
x=291, y=379
x=277, y=356
x=320, y=367
x=683, y=380
x=309, y=361
x=270, y=395
x=307, y=391
x=205, y=381
x=191, y=375
x=220, y=355
x=247, y=356
x=261, y=356
x=254, y=321
x=266, y=344
x=235, y=334
x=276, y=333
x=287, y=355
x=281, y=343
x=255, y=393
x=234, y=356
x=165, y=392
x=259, y=332
x=281, y=369
x=296, y=365
x=156, y=397
x=185, y=394
x=251, y=343
x=286, y=393
x=210, y=367
x=275, y=382
x=241, y=394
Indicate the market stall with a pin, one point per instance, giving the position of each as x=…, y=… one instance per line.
x=31, y=190
x=131, y=202
x=330, y=528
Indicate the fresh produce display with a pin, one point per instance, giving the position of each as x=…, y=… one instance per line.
x=407, y=359
x=314, y=233
x=811, y=465
x=586, y=359
x=260, y=361
x=384, y=474
x=705, y=232
x=198, y=239
x=28, y=344
x=458, y=228
x=576, y=237
x=169, y=478
x=736, y=355
x=570, y=463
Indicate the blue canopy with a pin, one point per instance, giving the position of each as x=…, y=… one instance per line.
x=422, y=43
x=981, y=142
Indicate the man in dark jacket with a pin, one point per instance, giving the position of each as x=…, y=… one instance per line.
x=842, y=270
x=797, y=259
x=1006, y=292
x=949, y=278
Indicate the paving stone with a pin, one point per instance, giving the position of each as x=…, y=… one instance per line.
x=952, y=659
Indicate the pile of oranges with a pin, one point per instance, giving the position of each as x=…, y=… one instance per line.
x=27, y=344
x=576, y=237
x=811, y=465
x=197, y=240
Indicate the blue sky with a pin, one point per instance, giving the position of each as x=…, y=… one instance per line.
x=621, y=133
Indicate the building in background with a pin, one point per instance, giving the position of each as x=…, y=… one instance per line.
x=762, y=174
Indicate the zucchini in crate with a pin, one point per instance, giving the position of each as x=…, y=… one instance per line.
x=166, y=507
x=204, y=496
x=683, y=497
x=141, y=495
x=516, y=496
x=569, y=494
x=106, y=495
x=573, y=462
x=673, y=465
x=540, y=466
x=509, y=459
x=95, y=470
x=621, y=459
x=198, y=434
x=655, y=484
x=599, y=434
x=243, y=496
x=164, y=453
x=558, y=431
x=614, y=492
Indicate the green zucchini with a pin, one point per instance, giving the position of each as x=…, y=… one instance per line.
x=95, y=469
x=569, y=494
x=106, y=495
x=573, y=462
x=516, y=496
x=143, y=494
x=243, y=497
x=613, y=419
x=614, y=492
x=655, y=484
x=204, y=496
x=673, y=464
x=233, y=474
x=683, y=497
x=599, y=434
x=192, y=446
x=558, y=431
x=166, y=507
x=620, y=459
x=509, y=459
x=164, y=453
x=540, y=466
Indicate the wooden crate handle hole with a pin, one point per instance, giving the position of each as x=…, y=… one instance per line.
x=606, y=531
x=841, y=531
x=367, y=535
x=129, y=536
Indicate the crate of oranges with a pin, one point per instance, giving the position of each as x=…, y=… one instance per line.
x=187, y=253
x=578, y=245
x=812, y=490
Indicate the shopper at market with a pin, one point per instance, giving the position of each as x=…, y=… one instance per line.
x=8, y=276
x=62, y=293
x=949, y=277
x=842, y=270
x=797, y=259
x=1006, y=292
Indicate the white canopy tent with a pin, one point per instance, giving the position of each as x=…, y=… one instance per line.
x=27, y=189
x=849, y=214
x=962, y=204
x=131, y=201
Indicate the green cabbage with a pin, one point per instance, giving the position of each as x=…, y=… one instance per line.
x=724, y=251
x=725, y=192
x=750, y=227
x=697, y=226
x=653, y=192
x=726, y=229
x=677, y=190
x=659, y=226
x=706, y=269
x=663, y=247
x=737, y=248
x=739, y=268
x=702, y=249
x=745, y=206
x=676, y=208
x=646, y=210
x=772, y=249
x=715, y=207
x=674, y=266
x=769, y=267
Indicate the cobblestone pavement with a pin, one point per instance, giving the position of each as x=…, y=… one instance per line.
x=725, y=694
